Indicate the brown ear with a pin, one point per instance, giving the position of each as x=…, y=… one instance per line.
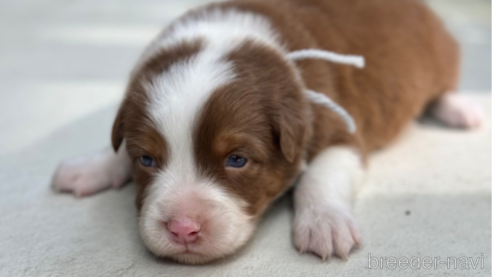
x=118, y=127
x=293, y=125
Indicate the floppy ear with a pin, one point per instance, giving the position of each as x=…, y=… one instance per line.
x=293, y=123
x=118, y=128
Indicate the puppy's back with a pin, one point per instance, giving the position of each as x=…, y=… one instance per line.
x=410, y=58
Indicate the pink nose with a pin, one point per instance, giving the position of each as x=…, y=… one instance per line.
x=184, y=231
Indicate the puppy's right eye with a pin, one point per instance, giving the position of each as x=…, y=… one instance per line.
x=147, y=161
x=236, y=161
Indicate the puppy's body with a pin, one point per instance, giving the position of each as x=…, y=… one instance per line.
x=411, y=61
x=217, y=85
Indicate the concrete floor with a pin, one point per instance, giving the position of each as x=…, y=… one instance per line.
x=469, y=21
x=63, y=68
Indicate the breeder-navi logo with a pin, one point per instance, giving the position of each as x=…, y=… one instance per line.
x=425, y=262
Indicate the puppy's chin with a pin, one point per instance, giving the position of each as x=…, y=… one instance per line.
x=224, y=224
x=192, y=258
x=205, y=250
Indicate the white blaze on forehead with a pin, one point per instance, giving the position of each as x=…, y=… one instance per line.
x=176, y=98
x=178, y=94
x=223, y=28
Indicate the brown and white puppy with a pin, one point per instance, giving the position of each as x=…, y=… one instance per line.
x=215, y=123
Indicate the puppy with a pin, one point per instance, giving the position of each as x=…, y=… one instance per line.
x=215, y=123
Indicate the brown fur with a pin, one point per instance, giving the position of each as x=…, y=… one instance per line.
x=262, y=116
x=133, y=123
x=410, y=61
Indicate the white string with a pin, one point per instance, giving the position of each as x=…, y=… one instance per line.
x=357, y=61
x=320, y=98
x=324, y=100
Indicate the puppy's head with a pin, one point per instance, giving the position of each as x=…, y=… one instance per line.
x=215, y=137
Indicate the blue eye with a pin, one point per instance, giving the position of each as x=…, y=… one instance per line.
x=236, y=161
x=147, y=161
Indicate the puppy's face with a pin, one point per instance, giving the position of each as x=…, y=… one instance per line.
x=214, y=140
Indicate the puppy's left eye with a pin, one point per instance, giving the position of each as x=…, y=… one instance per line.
x=236, y=161
x=147, y=161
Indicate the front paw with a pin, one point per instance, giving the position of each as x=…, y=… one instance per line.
x=86, y=175
x=325, y=232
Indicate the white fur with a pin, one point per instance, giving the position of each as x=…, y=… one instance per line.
x=456, y=110
x=323, y=222
x=223, y=29
x=224, y=225
x=176, y=98
x=89, y=174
